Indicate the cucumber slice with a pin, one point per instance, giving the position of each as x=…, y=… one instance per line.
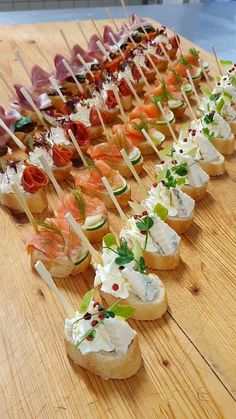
x=175, y=104
x=120, y=190
x=187, y=88
x=81, y=259
x=170, y=117
x=96, y=226
x=196, y=74
x=156, y=136
x=137, y=159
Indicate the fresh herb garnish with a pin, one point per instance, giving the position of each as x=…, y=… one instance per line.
x=182, y=61
x=143, y=125
x=194, y=52
x=122, y=310
x=144, y=225
x=214, y=96
x=79, y=200
x=220, y=105
x=180, y=169
x=170, y=181
x=161, y=211
x=86, y=301
x=92, y=165
x=124, y=254
x=49, y=226
x=232, y=78
x=208, y=134
x=208, y=119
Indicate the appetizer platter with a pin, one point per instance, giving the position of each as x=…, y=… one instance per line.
x=117, y=176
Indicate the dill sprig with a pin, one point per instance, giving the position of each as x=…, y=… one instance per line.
x=79, y=200
x=49, y=226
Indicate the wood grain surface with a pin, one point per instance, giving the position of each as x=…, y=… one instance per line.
x=189, y=368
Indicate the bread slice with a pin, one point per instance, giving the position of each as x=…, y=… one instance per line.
x=123, y=168
x=123, y=198
x=62, y=173
x=139, y=86
x=180, y=225
x=225, y=147
x=95, y=132
x=196, y=193
x=154, y=260
x=144, y=310
x=233, y=127
x=162, y=65
x=108, y=364
x=126, y=102
x=37, y=202
x=179, y=112
x=213, y=168
x=57, y=268
x=165, y=129
x=150, y=75
x=96, y=236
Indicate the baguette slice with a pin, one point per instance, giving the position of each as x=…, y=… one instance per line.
x=139, y=86
x=96, y=236
x=196, y=193
x=180, y=225
x=233, y=127
x=126, y=102
x=213, y=168
x=95, y=132
x=123, y=198
x=59, y=268
x=159, y=262
x=225, y=147
x=37, y=202
x=108, y=364
x=143, y=310
x=123, y=168
x=62, y=173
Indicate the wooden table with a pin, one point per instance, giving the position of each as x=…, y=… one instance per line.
x=189, y=355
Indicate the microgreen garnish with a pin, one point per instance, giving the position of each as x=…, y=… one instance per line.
x=79, y=200
x=232, y=78
x=208, y=119
x=86, y=301
x=194, y=52
x=208, y=134
x=92, y=165
x=214, y=96
x=49, y=226
x=170, y=181
x=144, y=225
x=182, y=61
x=180, y=169
x=161, y=211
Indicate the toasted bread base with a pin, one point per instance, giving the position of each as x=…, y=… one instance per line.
x=108, y=364
x=126, y=102
x=225, y=147
x=123, y=168
x=150, y=75
x=105, y=198
x=146, y=149
x=143, y=310
x=37, y=202
x=162, y=263
x=213, y=169
x=57, y=269
x=180, y=225
x=139, y=86
x=179, y=112
x=96, y=236
x=62, y=173
x=165, y=130
x=95, y=132
x=172, y=53
x=233, y=127
x=162, y=65
x=196, y=193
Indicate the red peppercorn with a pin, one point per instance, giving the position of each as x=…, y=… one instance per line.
x=87, y=316
x=162, y=162
x=185, y=140
x=181, y=151
x=154, y=185
x=115, y=287
x=135, y=217
x=94, y=323
x=144, y=213
x=163, y=182
x=143, y=232
x=96, y=304
x=101, y=316
x=89, y=338
x=100, y=308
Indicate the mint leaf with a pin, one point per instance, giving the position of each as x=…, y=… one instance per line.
x=161, y=211
x=122, y=310
x=145, y=224
x=109, y=240
x=86, y=301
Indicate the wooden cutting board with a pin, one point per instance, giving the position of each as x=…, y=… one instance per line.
x=189, y=355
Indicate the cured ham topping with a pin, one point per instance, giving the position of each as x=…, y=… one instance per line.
x=61, y=71
x=61, y=156
x=3, y=150
x=80, y=132
x=33, y=179
x=39, y=78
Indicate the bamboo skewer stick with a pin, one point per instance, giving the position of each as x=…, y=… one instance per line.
x=188, y=104
x=133, y=91
x=85, y=65
x=132, y=169
x=29, y=99
x=22, y=63
x=149, y=140
x=7, y=85
x=125, y=10
x=142, y=26
x=42, y=55
x=168, y=124
x=152, y=64
x=164, y=52
x=78, y=230
x=217, y=61
x=103, y=50
x=178, y=42
x=47, y=278
x=64, y=37
x=114, y=200
x=69, y=69
x=95, y=26
x=16, y=140
x=102, y=122
x=122, y=112
x=193, y=87
x=77, y=147
x=52, y=178
x=130, y=36
x=21, y=199
x=109, y=14
x=206, y=75
x=82, y=32
x=116, y=44
x=142, y=75
x=57, y=88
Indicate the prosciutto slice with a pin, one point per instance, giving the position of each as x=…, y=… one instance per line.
x=9, y=117
x=106, y=37
x=40, y=79
x=41, y=101
x=93, y=49
x=61, y=71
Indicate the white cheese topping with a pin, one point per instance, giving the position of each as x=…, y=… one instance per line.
x=82, y=115
x=57, y=136
x=126, y=73
x=11, y=176
x=38, y=152
x=92, y=220
x=45, y=101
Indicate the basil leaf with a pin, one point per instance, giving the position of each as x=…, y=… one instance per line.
x=122, y=310
x=109, y=240
x=86, y=301
x=161, y=211
x=145, y=224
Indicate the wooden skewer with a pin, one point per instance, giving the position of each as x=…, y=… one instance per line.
x=85, y=65
x=77, y=147
x=152, y=64
x=29, y=99
x=109, y=14
x=164, y=52
x=95, y=25
x=103, y=50
x=7, y=85
x=102, y=122
x=217, y=61
x=114, y=200
x=206, y=75
x=129, y=83
x=22, y=63
x=125, y=10
x=188, y=103
x=52, y=178
x=116, y=44
x=82, y=32
x=168, y=124
x=78, y=230
x=142, y=75
x=149, y=140
x=57, y=88
x=13, y=136
x=42, y=55
x=130, y=36
x=178, y=42
x=65, y=40
x=193, y=87
x=47, y=278
x=132, y=169
x=116, y=94
x=69, y=69
x=21, y=199
x=142, y=26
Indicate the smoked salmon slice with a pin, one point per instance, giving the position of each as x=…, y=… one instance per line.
x=91, y=178
x=81, y=206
